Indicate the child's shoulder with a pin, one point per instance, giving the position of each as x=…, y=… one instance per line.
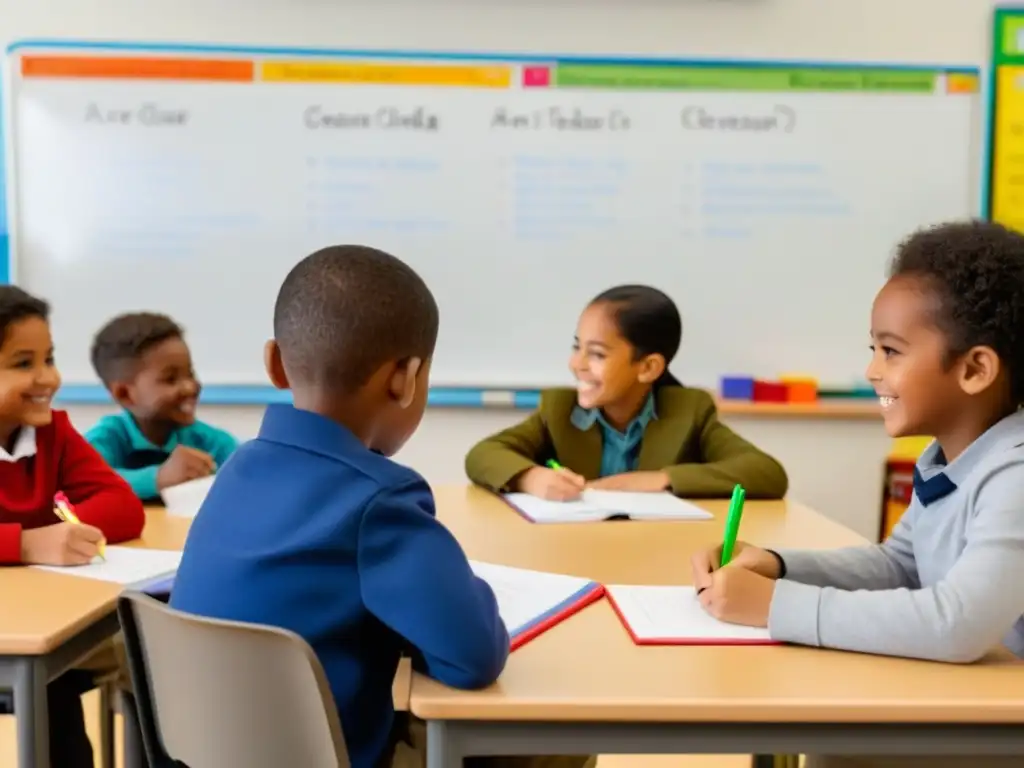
x=685, y=400
x=112, y=423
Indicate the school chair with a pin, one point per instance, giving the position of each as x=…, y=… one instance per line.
x=214, y=693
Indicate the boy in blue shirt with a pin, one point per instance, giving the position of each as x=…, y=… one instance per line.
x=156, y=441
x=947, y=333
x=310, y=526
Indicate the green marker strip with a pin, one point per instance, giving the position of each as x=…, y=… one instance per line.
x=791, y=79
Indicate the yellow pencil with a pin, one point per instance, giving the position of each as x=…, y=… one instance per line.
x=63, y=512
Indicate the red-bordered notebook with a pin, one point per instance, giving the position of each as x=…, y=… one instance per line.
x=674, y=616
x=531, y=602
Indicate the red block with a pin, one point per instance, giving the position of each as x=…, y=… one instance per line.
x=770, y=392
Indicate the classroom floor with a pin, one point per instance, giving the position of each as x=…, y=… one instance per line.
x=8, y=748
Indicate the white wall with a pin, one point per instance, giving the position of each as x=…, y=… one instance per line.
x=834, y=466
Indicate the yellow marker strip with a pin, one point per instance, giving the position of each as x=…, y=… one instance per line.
x=386, y=74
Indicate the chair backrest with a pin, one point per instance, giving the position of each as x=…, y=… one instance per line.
x=213, y=693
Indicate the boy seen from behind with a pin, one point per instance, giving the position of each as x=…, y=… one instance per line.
x=156, y=441
x=310, y=526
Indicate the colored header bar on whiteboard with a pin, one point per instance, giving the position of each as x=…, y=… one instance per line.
x=457, y=75
x=137, y=68
x=762, y=78
x=494, y=73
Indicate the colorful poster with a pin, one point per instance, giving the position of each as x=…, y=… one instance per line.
x=1006, y=163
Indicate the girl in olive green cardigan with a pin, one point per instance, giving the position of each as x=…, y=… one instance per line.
x=629, y=424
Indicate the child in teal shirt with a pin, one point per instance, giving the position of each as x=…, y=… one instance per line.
x=156, y=441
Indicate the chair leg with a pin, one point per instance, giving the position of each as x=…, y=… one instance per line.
x=134, y=750
x=107, y=704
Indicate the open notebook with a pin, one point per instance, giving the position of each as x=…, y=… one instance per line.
x=531, y=602
x=674, y=616
x=594, y=506
x=150, y=570
x=184, y=500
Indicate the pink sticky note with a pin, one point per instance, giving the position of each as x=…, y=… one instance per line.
x=536, y=77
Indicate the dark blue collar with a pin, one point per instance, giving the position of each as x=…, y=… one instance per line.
x=935, y=478
x=934, y=488
x=309, y=431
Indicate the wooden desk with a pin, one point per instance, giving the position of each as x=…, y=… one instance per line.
x=826, y=408
x=584, y=687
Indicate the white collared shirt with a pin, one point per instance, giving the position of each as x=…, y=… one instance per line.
x=24, y=446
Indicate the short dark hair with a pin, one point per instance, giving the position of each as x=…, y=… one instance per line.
x=344, y=311
x=649, y=320
x=976, y=271
x=16, y=304
x=121, y=343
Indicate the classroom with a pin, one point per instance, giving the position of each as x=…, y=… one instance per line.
x=665, y=244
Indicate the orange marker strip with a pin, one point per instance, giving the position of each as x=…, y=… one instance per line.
x=134, y=68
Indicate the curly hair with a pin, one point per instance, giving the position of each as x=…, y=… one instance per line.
x=976, y=271
x=16, y=304
x=122, y=342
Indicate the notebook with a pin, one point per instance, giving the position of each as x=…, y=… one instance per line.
x=674, y=616
x=135, y=567
x=531, y=602
x=185, y=499
x=594, y=505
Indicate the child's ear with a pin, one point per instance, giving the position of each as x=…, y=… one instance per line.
x=404, y=381
x=651, y=367
x=121, y=392
x=979, y=368
x=274, y=365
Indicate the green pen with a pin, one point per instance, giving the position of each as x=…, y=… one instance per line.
x=732, y=523
x=554, y=464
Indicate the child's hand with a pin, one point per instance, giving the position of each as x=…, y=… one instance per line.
x=638, y=482
x=61, y=544
x=552, y=484
x=182, y=465
x=760, y=561
x=738, y=596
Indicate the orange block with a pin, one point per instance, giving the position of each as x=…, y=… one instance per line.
x=800, y=389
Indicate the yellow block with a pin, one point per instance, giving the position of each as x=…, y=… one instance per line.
x=1008, y=148
x=456, y=75
x=908, y=448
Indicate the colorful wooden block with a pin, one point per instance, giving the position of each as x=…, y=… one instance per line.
x=770, y=392
x=800, y=389
x=737, y=387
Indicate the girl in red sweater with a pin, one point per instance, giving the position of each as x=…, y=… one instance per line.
x=41, y=454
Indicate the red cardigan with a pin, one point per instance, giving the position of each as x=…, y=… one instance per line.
x=64, y=461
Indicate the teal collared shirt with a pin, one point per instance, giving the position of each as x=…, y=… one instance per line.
x=620, y=451
x=118, y=440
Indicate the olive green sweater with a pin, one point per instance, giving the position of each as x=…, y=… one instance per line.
x=702, y=456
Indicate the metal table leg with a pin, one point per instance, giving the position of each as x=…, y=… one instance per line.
x=31, y=713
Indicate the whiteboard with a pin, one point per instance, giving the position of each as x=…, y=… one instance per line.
x=765, y=199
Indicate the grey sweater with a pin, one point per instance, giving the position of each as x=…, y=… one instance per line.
x=947, y=585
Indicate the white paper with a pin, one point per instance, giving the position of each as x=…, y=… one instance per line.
x=185, y=499
x=524, y=595
x=124, y=565
x=594, y=505
x=675, y=613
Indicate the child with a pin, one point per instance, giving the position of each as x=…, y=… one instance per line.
x=629, y=425
x=40, y=455
x=156, y=441
x=947, y=334
x=339, y=543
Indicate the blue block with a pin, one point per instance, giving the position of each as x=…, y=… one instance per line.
x=738, y=387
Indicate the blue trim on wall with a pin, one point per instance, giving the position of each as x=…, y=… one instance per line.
x=216, y=394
